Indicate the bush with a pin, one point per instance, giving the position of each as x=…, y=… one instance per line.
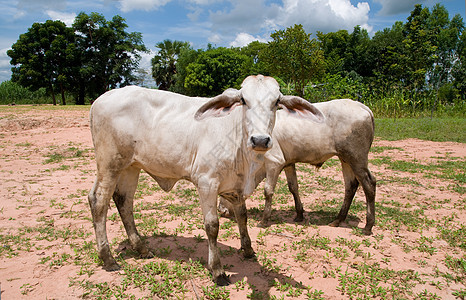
x=11, y=92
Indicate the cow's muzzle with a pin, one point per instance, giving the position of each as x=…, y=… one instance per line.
x=261, y=143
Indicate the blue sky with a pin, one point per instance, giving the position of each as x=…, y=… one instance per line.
x=219, y=22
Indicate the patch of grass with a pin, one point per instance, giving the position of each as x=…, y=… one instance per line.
x=380, y=149
x=11, y=244
x=436, y=129
x=389, y=217
x=444, y=169
x=455, y=237
x=372, y=281
x=68, y=153
x=54, y=158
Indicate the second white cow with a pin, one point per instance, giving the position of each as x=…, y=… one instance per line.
x=346, y=131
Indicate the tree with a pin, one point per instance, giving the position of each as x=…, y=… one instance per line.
x=334, y=45
x=389, y=55
x=164, y=63
x=215, y=70
x=445, y=36
x=294, y=57
x=356, y=56
x=108, y=55
x=42, y=57
x=419, y=48
x=254, y=50
x=459, y=68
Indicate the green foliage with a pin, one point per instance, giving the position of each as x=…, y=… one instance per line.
x=215, y=70
x=12, y=92
x=89, y=58
x=164, y=62
x=42, y=57
x=295, y=57
x=107, y=54
x=415, y=68
x=334, y=86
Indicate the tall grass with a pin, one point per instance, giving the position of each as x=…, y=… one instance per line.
x=393, y=103
x=11, y=92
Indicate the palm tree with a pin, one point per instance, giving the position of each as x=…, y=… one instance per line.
x=164, y=62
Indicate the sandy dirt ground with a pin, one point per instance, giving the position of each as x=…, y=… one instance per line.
x=47, y=248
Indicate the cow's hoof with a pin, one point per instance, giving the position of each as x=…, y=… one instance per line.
x=143, y=251
x=110, y=267
x=248, y=253
x=367, y=231
x=146, y=254
x=263, y=224
x=222, y=280
x=335, y=223
x=298, y=218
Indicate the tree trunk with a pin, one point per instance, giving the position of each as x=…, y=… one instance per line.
x=54, y=101
x=81, y=93
x=63, y=100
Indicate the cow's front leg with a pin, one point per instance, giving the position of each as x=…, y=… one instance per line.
x=208, y=198
x=241, y=215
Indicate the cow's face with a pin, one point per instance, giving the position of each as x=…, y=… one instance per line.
x=259, y=98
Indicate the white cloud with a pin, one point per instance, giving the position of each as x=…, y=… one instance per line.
x=67, y=18
x=324, y=15
x=243, y=39
x=245, y=16
x=253, y=18
x=393, y=7
x=215, y=39
x=146, y=59
x=258, y=17
x=147, y=5
x=203, y=2
x=5, y=67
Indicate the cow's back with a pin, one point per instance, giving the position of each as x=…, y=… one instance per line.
x=305, y=140
x=156, y=131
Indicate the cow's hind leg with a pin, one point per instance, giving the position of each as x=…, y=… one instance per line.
x=239, y=207
x=269, y=187
x=368, y=183
x=99, y=198
x=123, y=198
x=351, y=185
x=292, y=180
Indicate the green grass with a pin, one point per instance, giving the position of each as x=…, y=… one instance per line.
x=436, y=129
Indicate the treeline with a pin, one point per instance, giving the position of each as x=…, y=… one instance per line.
x=415, y=66
x=84, y=60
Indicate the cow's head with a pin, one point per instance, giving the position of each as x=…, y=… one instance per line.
x=259, y=98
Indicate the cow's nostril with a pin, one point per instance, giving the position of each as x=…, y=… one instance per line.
x=262, y=142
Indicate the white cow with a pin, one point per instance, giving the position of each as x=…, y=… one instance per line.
x=347, y=131
x=217, y=144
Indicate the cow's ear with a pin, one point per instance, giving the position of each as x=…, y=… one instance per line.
x=301, y=108
x=219, y=106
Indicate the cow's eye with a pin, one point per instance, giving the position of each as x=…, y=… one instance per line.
x=278, y=101
x=242, y=101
